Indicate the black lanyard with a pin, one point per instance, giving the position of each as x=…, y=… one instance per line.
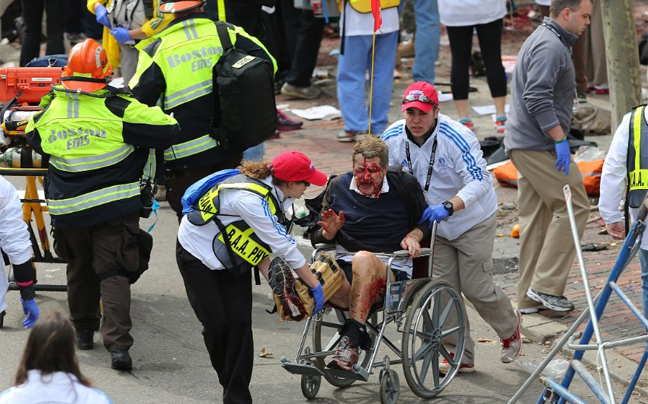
x=552, y=29
x=431, y=166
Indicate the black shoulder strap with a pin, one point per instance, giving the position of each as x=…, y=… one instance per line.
x=223, y=34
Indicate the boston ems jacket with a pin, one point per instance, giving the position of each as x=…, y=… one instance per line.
x=174, y=71
x=97, y=146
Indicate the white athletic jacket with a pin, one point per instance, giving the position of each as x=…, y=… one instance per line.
x=57, y=387
x=458, y=170
x=14, y=238
x=254, y=210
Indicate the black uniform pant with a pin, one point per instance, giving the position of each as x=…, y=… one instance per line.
x=223, y=304
x=95, y=257
x=309, y=38
x=33, y=14
x=177, y=181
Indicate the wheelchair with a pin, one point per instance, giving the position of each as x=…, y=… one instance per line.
x=425, y=313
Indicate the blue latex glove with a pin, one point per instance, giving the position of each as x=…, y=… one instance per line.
x=433, y=214
x=318, y=295
x=30, y=308
x=563, y=156
x=102, y=16
x=122, y=35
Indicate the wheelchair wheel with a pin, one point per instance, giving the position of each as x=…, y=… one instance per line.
x=389, y=387
x=326, y=338
x=435, y=314
x=310, y=386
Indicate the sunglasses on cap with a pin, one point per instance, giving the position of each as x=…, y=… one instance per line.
x=418, y=97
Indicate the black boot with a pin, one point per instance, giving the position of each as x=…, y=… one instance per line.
x=121, y=360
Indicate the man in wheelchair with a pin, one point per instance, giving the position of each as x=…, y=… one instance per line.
x=369, y=210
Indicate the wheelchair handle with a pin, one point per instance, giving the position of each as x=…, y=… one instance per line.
x=405, y=254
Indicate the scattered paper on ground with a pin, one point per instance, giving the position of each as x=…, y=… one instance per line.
x=488, y=109
x=325, y=112
x=443, y=97
x=265, y=353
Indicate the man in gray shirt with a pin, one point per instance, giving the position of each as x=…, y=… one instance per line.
x=542, y=98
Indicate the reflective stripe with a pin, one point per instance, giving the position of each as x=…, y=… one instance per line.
x=187, y=94
x=93, y=162
x=73, y=109
x=189, y=30
x=93, y=199
x=151, y=166
x=244, y=245
x=190, y=148
x=638, y=178
x=637, y=138
x=221, y=10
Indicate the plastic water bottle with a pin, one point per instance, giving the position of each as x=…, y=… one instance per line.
x=318, y=8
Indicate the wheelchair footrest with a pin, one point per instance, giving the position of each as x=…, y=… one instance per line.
x=358, y=373
x=301, y=369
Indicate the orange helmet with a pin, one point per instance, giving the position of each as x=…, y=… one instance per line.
x=172, y=6
x=88, y=68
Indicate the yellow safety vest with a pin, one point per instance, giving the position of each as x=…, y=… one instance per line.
x=637, y=160
x=238, y=235
x=364, y=6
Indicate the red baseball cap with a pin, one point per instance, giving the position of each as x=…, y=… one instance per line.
x=295, y=166
x=421, y=95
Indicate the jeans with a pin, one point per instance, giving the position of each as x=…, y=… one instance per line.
x=426, y=45
x=255, y=153
x=643, y=259
x=352, y=68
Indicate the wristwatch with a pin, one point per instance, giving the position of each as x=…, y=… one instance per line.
x=448, y=206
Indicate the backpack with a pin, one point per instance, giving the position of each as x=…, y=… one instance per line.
x=244, y=109
x=198, y=189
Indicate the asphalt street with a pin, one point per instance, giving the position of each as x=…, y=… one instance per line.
x=171, y=364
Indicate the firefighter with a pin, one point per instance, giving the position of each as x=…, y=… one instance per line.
x=96, y=140
x=175, y=68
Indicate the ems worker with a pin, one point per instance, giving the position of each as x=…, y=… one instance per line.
x=232, y=227
x=97, y=142
x=15, y=242
x=126, y=22
x=445, y=157
x=175, y=71
x=625, y=170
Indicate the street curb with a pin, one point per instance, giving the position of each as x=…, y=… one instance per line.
x=543, y=330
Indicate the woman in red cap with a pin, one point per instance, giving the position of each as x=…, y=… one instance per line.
x=233, y=226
